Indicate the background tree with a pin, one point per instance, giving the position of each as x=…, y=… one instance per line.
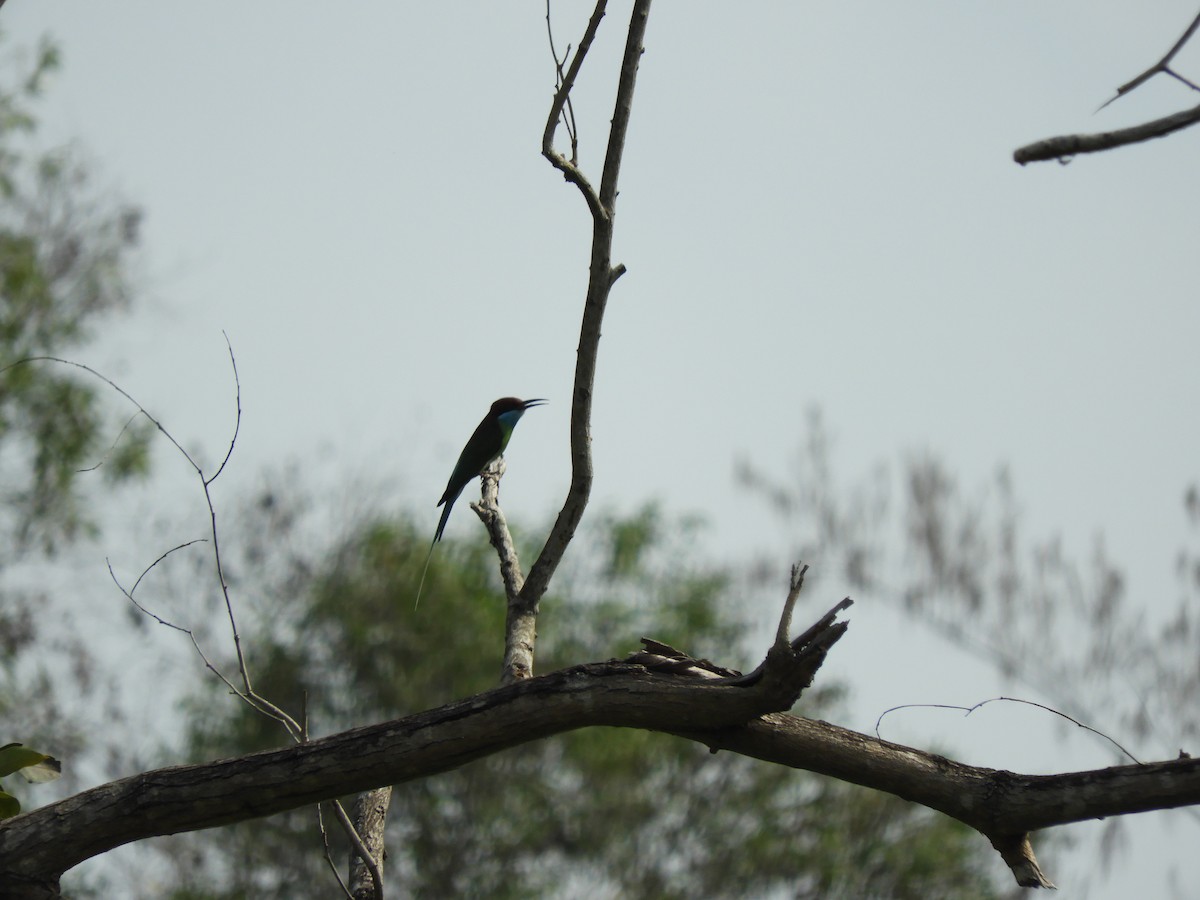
x=64, y=259
x=957, y=562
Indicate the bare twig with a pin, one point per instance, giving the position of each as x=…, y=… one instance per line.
x=204, y=480
x=261, y=704
x=566, y=82
x=115, y=387
x=253, y=700
x=1163, y=65
x=297, y=731
x=112, y=447
x=567, y=117
x=363, y=853
x=237, y=425
x=329, y=854
x=967, y=710
x=146, y=571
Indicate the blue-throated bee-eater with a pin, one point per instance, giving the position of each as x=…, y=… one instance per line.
x=486, y=444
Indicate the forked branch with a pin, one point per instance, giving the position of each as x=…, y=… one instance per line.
x=1064, y=147
x=522, y=608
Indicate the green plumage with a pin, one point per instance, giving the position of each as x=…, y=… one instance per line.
x=487, y=442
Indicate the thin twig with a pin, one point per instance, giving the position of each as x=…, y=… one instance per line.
x=570, y=168
x=237, y=425
x=247, y=693
x=1161, y=66
x=260, y=704
x=112, y=447
x=297, y=731
x=329, y=854
x=116, y=387
x=146, y=571
x=1184, y=81
x=967, y=710
x=205, y=482
x=360, y=848
x=568, y=116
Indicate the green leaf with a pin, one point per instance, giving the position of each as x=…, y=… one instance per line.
x=9, y=806
x=33, y=766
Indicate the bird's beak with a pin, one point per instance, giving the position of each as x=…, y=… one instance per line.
x=535, y=402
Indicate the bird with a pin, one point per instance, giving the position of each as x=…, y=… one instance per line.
x=485, y=445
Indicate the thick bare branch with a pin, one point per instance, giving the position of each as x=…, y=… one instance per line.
x=44, y=843
x=1001, y=805
x=370, y=818
x=1068, y=145
x=36, y=847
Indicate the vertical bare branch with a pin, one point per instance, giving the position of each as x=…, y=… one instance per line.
x=523, y=597
x=624, y=106
x=602, y=275
x=367, y=856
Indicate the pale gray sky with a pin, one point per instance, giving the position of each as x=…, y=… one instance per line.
x=818, y=206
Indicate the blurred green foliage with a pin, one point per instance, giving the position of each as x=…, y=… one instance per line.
x=64, y=259
x=63, y=264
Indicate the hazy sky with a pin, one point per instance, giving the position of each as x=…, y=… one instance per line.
x=818, y=207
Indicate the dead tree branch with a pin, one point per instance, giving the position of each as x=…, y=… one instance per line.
x=36, y=847
x=1064, y=147
x=1002, y=806
x=602, y=274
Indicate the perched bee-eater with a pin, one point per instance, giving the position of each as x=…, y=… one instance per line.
x=485, y=445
